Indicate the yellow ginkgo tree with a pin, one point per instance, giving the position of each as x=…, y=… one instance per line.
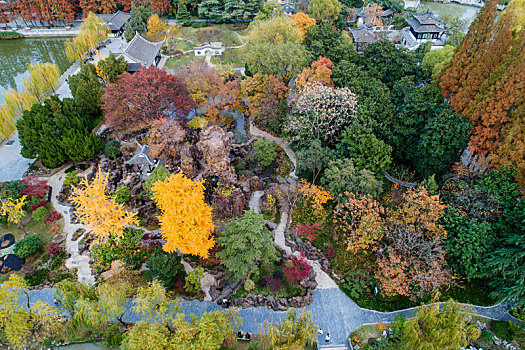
x=99, y=212
x=185, y=220
x=13, y=209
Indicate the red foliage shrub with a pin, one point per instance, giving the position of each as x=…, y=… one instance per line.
x=297, y=269
x=53, y=249
x=35, y=206
x=34, y=187
x=309, y=232
x=329, y=252
x=52, y=217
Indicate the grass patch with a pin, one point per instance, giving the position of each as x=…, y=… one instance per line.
x=232, y=57
x=365, y=332
x=182, y=61
x=174, y=44
x=218, y=32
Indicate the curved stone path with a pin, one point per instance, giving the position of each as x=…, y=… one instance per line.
x=331, y=309
x=76, y=260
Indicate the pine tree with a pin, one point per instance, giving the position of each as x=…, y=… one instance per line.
x=182, y=12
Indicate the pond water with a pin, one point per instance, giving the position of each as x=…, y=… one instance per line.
x=464, y=12
x=15, y=55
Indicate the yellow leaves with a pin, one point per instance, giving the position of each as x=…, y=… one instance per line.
x=13, y=209
x=302, y=21
x=91, y=32
x=316, y=194
x=103, y=216
x=156, y=28
x=186, y=220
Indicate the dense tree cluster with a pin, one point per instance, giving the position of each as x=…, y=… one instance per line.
x=491, y=94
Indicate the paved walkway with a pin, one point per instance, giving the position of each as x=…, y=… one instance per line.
x=331, y=310
x=12, y=164
x=76, y=260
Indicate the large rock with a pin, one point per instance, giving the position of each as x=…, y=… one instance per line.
x=214, y=147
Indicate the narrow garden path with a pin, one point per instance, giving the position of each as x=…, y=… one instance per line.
x=76, y=260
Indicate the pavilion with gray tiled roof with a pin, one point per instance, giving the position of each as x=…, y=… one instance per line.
x=140, y=50
x=116, y=21
x=426, y=26
x=362, y=37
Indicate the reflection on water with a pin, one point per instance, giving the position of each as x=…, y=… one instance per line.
x=464, y=12
x=15, y=55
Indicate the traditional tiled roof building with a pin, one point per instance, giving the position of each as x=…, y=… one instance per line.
x=116, y=21
x=142, y=51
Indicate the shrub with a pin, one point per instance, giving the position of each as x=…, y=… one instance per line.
x=34, y=187
x=29, y=245
x=262, y=282
x=122, y=194
x=193, y=281
x=502, y=329
x=264, y=151
x=198, y=123
x=249, y=285
x=53, y=249
x=158, y=174
x=309, y=232
x=71, y=179
x=39, y=204
x=297, y=269
x=52, y=217
x=10, y=35
x=37, y=277
x=39, y=215
x=127, y=248
x=112, y=336
x=167, y=267
x=112, y=149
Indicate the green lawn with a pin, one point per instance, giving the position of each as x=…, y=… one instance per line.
x=218, y=32
x=178, y=45
x=182, y=61
x=231, y=56
x=40, y=228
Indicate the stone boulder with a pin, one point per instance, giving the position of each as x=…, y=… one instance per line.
x=214, y=147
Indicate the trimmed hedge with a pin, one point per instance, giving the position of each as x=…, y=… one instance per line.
x=10, y=35
x=39, y=214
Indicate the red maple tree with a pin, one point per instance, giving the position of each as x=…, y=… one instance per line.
x=144, y=97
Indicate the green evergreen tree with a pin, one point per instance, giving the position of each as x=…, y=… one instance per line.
x=86, y=88
x=56, y=132
x=247, y=245
x=182, y=12
x=111, y=67
x=138, y=22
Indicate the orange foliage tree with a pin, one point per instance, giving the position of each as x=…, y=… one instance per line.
x=185, y=220
x=264, y=94
x=302, y=21
x=99, y=212
x=211, y=94
x=422, y=211
x=320, y=72
x=486, y=82
x=309, y=206
x=359, y=220
x=413, y=263
x=374, y=12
